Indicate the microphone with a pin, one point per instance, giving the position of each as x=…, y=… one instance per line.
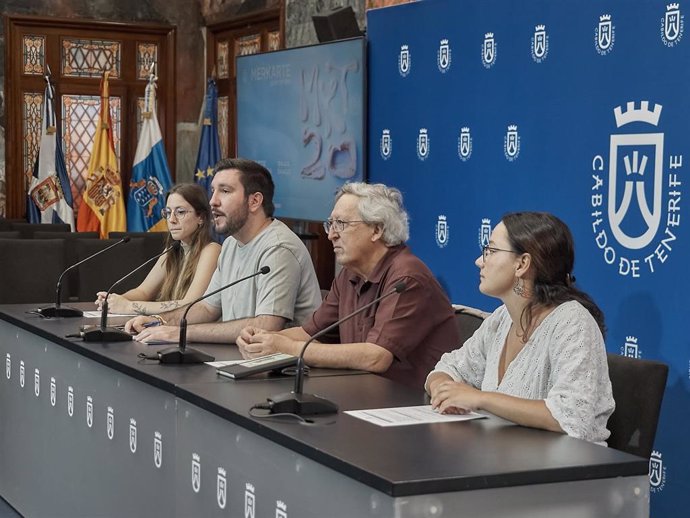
x=111, y=334
x=57, y=310
x=181, y=354
x=296, y=402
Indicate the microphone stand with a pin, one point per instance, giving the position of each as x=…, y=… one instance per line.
x=296, y=402
x=66, y=312
x=182, y=354
x=112, y=334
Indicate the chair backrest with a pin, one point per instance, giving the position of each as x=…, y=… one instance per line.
x=58, y=234
x=468, y=321
x=154, y=242
x=100, y=273
x=10, y=234
x=638, y=389
x=27, y=229
x=70, y=285
x=30, y=269
x=6, y=224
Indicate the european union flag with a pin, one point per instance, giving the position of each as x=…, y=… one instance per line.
x=209, y=147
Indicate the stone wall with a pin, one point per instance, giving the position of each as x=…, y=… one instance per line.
x=299, y=29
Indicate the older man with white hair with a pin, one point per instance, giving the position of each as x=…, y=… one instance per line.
x=404, y=334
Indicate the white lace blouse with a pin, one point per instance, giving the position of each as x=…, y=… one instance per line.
x=563, y=363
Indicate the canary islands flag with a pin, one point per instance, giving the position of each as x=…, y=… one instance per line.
x=103, y=207
x=150, y=175
x=209, y=146
x=50, y=195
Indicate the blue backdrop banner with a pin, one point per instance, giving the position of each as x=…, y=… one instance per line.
x=578, y=108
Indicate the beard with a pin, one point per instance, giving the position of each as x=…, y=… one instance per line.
x=233, y=222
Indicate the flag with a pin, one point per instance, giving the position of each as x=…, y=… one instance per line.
x=50, y=197
x=209, y=147
x=103, y=207
x=150, y=174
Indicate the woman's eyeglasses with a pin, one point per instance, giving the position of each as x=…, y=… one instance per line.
x=179, y=212
x=491, y=250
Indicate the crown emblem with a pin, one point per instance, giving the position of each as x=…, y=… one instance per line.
x=195, y=456
x=132, y=421
x=221, y=471
x=672, y=7
x=540, y=28
x=444, y=42
x=386, y=132
x=249, y=487
x=465, y=130
x=442, y=217
x=422, y=131
x=489, y=35
x=512, y=127
x=605, y=18
x=404, y=47
x=486, y=221
x=281, y=505
x=641, y=114
x=631, y=339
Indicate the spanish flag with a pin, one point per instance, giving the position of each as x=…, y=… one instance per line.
x=103, y=206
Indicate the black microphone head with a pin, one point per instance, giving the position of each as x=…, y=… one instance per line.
x=125, y=239
x=400, y=287
x=176, y=245
x=264, y=270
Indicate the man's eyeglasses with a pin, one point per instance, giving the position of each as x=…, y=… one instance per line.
x=338, y=225
x=179, y=212
x=491, y=250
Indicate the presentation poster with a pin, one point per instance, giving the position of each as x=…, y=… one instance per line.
x=300, y=113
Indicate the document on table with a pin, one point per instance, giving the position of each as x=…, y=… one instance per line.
x=97, y=314
x=406, y=415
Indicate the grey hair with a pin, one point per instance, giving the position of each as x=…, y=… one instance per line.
x=382, y=205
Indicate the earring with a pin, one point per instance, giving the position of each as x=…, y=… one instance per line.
x=519, y=288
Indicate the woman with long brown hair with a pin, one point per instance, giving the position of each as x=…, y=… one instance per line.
x=539, y=360
x=181, y=275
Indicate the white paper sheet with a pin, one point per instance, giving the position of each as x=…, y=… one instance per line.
x=407, y=415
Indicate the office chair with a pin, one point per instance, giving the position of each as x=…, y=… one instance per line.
x=468, y=321
x=638, y=389
x=30, y=269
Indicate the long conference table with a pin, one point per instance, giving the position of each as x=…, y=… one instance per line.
x=89, y=429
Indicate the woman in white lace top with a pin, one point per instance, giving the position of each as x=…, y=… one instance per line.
x=539, y=360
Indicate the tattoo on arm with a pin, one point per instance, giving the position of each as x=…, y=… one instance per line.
x=169, y=305
x=138, y=308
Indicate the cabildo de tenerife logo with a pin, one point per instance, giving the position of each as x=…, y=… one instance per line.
x=404, y=60
x=386, y=144
x=630, y=348
x=484, y=233
x=423, y=144
x=540, y=44
x=672, y=25
x=633, y=228
x=443, y=56
x=489, y=50
x=442, y=231
x=465, y=144
x=511, y=143
x=657, y=472
x=604, y=35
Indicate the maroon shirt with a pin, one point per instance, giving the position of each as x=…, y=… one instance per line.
x=417, y=326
